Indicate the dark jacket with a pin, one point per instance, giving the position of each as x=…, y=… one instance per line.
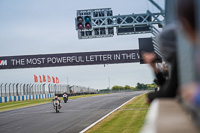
x=167, y=44
x=160, y=78
x=169, y=88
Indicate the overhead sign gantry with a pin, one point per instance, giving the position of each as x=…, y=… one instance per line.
x=99, y=23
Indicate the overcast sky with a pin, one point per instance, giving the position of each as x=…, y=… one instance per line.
x=29, y=27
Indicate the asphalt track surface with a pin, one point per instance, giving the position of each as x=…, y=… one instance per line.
x=73, y=117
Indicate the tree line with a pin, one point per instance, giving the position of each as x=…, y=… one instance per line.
x=139, y=86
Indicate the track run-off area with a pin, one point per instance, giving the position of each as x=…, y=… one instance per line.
x=73, y=117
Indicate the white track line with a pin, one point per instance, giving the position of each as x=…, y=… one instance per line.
x=87, y=128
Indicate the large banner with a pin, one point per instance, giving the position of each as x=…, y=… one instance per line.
x=69, y=59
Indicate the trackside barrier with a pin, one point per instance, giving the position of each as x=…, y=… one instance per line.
x=25, y=97
x=10, y=92
x=29, y=90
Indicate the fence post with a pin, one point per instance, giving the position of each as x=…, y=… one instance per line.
x=17, y=92
x=13, y=89
x=24, y=89
x=27, y=89
x=31, y=89
x=1, y=89
x=5, y=89
x=40, y=89
x=20, y=89
x=9, y=89
x=43, y=87
x=55, y=87
x=35, y=89
x=49, y=88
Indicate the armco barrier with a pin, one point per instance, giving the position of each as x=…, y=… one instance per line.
x=25, y=97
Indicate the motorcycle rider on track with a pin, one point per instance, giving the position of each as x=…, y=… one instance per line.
x=65, y=97
x=57, y=98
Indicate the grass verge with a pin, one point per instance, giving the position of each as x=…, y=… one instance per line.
x=20, y=104
x=128, y=119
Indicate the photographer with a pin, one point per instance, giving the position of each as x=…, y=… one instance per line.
x=167, y=43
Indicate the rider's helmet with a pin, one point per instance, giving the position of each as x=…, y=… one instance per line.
x=56, y=97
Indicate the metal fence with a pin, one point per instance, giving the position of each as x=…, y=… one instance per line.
x=20, y=89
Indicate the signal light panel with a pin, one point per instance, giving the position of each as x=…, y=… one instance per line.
x=84, y=23
x=95, y=23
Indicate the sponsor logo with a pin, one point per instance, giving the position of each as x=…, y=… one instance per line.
x=3, y=62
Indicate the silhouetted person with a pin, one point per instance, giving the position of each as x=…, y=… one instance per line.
x=167, y=44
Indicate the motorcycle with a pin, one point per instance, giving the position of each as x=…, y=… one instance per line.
x=56, y=106
x=65, y=98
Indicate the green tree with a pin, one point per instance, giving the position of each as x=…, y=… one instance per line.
x=114, y=88
x=127, y=87
x=139, y=86
x=133, y=88
x=121, y=88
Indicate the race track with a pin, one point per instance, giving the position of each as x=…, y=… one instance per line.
x=73, y=117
